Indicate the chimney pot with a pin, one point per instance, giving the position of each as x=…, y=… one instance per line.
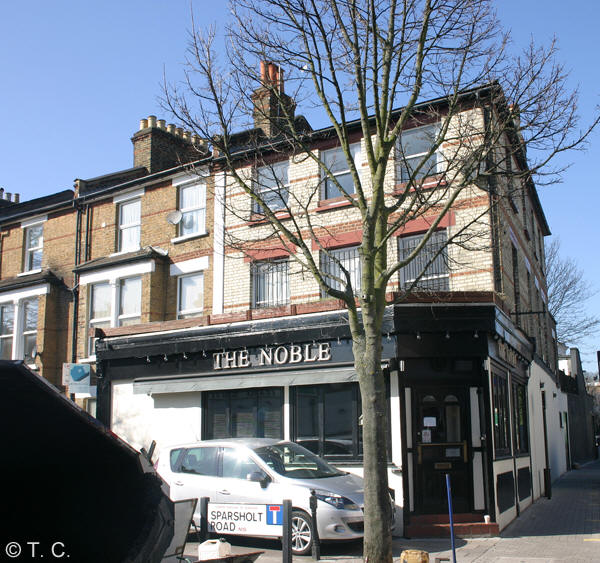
x=161, y=123
x=187, y=135
x=179, y=131
x=171, y=128
x=8, y=196
x=152, y=121
x=16, y=198
x=143, y=124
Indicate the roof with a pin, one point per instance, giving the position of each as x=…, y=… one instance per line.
x=36, y=206
x=146, y=253
x=18, y=282
x=100, y=183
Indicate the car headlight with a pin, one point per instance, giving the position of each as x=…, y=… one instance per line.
x=336, y=500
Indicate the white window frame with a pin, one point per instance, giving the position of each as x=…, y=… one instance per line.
x=194, y=312
x=280, y=188
x=116, y=318
x=402, y=159
x=36, y=222
x=17, y=300
x=112, y=276
x=129, y=226
x=201, y=208
x=355, y=150
x=280, y=293
x=8, y=336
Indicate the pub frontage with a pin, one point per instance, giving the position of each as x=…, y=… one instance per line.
x=456, y=379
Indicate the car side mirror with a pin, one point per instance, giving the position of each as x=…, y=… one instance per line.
x=259, y=477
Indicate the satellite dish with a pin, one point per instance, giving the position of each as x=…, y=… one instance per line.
x=34, y=352
x=174, y=217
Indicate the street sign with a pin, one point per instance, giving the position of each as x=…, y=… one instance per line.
x=246, y=519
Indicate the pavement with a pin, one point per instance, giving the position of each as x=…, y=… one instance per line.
x=565, y=528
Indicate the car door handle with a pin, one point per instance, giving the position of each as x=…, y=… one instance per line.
x=224, y=493
x=178, y=483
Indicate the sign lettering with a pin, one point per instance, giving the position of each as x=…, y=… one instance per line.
x=273, y=356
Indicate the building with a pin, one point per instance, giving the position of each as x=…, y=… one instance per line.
x=192, y=337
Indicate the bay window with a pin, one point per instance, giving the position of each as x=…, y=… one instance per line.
x=114, y=303
x=7, y=318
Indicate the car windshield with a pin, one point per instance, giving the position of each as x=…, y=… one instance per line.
x=294, y=461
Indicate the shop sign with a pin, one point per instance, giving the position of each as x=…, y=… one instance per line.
x=273, y=356
x=507, y=353
x=246, y=519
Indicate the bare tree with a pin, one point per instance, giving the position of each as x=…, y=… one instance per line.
x=369, y=66
x=568, y=294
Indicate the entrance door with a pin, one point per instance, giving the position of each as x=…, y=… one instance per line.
x=442, y=447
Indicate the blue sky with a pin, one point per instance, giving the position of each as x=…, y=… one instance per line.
x=78, y=77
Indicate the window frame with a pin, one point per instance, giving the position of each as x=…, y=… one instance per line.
x=501, y=416
x=115, y=318
x=402, y=159
x=331, y=265
x=327, y=183
x=30, y=252
x=189, y=313
x=122, y=227
x=259, y=269
x=520, y=418
x=201, y=207
x=7, y=336
x=280, y=188
x=438, y=278
x=31, y=331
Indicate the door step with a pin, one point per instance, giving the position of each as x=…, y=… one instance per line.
x=437, y=526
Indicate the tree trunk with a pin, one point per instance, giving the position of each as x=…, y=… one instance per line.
x=367, y=357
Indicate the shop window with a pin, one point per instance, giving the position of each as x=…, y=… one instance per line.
x=429, y=269
x=190, y=290
x=130, y=225
x=270, y=284
x=247, y=413
x=272, y=184
x=327, y=420
x=501, y=416
x=335, y=264
x=413, y=147
x=34, y=244
x=520, y=418
x=336, y=162
x=192, y=204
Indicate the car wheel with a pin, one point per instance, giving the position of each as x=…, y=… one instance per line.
x=302, y=533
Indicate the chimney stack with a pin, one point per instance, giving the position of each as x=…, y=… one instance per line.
x=158, y=146
x=272, y=107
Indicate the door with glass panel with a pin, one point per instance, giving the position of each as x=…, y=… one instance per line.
x=442, y=446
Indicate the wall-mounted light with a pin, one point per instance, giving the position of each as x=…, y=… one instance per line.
x=165, y=358
x=475, y=334
x=418, y=335
x=147, y=359
x=447, y=335
x=185, y=357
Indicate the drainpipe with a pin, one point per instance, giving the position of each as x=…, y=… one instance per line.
x=75, y=290
x=547, y=474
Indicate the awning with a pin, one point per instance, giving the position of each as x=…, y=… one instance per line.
x=245, y=380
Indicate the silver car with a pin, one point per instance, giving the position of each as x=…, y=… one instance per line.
x=264, y=471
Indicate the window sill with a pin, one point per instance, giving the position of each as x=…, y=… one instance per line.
x=33, y=367
x=334, y=203
x=185, y=238
x=121, y=252
x=258, y=219
x=88, y=360
x=30, y=272
x=189, y=315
